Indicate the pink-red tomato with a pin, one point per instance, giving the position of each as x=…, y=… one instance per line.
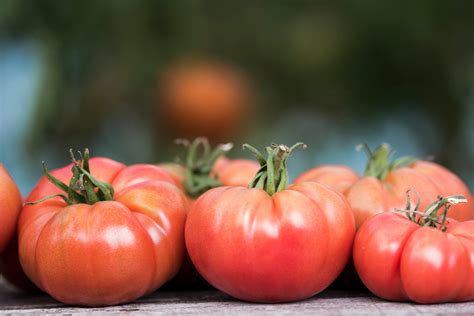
x=263, y=248
x=111, y=251
x=385, y=182
x=336, y=177
x=270, y=247
x=399, y=260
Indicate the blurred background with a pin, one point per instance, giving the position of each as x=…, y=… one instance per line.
x=125, y=78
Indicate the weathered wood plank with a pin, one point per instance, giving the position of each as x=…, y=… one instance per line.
x=214, y=302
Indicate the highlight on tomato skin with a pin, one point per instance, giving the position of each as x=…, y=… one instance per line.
x=109, y=236
x=288, y=241
x=417, y=255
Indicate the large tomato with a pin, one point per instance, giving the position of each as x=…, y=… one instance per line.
x=113, y=235
x=385, y=182
x=203, y=169
x=270, y=243
x=418, y=257
x=204, y=97
x=10, y=206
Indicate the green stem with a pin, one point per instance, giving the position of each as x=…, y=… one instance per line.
x=273, y=174
x=379, y=164
x=430, y=217
x=83, y=187
x=199, y=163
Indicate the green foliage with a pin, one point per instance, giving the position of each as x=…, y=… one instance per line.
x=346, y=56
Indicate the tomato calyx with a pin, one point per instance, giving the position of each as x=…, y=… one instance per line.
x=430, y=217
x=379, y=164
x=199, y=162
x=83, y=187
x=273, y=173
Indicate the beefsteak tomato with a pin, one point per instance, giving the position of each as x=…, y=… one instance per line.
x=113, y=235
x=422, y=257
x=270, y=242
x=384, y=183
x=10, y=207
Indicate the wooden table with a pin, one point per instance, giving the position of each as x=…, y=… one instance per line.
x=214, y=302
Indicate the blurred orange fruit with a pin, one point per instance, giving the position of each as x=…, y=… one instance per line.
x=204, y=98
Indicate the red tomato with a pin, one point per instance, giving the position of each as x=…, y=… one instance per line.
x=10, y=207
x=103, y=248
x=270, y=243
x=401, y=259
x=338, y=178
x=383, y=186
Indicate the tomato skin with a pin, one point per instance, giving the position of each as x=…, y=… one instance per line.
x=337, y=177
x=448, y=183
x=10, y=207
x=110, y=252
x=370, y=196
x=279, y=248
x=399, y=260
x=235, y=172
x=378, y=192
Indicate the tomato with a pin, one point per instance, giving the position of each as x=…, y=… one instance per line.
x=10, y=207
x=270, y=242
x=418, y=258
x=383, y=186
x=115, y=234
x=203, y=97
x=204, y=168
x=336, y=177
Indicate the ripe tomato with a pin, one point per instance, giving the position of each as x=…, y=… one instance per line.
x=336, y=177
x=10, y=207
x=418, y=257
x=270, y=243
x=383, y=186
x=112, y=237
x=204, y=97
